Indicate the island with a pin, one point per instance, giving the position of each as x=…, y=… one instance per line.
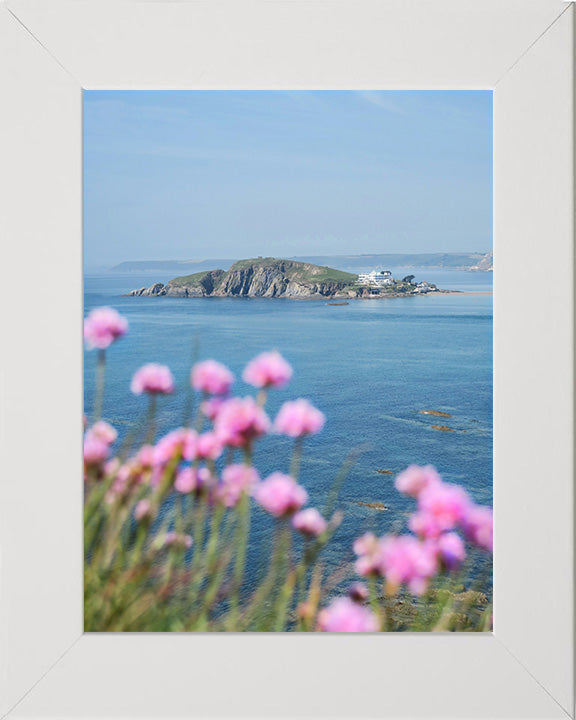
x=268, y=277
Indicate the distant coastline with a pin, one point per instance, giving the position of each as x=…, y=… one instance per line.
x=473, y=262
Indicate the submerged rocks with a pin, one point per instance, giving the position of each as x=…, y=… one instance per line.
x=374, y=505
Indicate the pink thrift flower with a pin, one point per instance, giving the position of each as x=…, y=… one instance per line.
x=298, y=418
x=445, y=504
x=177, y=540
x=309, y=522
x=478, y=526
x=186, y=480
x=102, y=327
x=142, y=510
x=451, y=550
x=368, y=550
x=211, y=377
x=180, y=443
x=267, y=370
x=236, y=479
x=415, y=478
x=192, y=479
x=358, y=592
x=103, y=431
x=145, y=457
x=241, y=420
x=407, y=561
x=345, y=615
x=154, y=379
x=211, y=407
x=96, y=450
x=280, y=495
x=126, y=476
x=112, y=466
x=208, y=447
x=425, y=525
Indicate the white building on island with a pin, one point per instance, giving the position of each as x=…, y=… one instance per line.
x=376, y=278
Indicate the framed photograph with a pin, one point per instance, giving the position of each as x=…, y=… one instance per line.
x=256, y=210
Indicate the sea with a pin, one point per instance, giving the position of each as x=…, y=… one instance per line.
x=374, y=367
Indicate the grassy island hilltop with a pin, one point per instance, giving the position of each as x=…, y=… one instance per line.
x=272, y=278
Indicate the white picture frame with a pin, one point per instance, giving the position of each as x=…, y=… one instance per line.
x=50, y=50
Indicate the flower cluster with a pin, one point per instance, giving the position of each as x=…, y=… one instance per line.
x=194, y=468
x=443, y=507
x=185, y=457
x=98, y=441
x=413, y=560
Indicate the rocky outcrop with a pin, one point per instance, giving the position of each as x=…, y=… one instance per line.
x=153, y=291
x=267, y=278
x=198, y=285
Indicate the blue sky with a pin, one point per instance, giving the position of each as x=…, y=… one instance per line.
x=229, y=174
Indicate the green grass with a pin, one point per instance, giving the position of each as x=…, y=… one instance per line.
x=190, y=280
x=306, y=272
x=293, y=270
x=328, y=274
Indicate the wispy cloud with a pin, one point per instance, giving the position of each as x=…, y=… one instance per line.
x=381, y=99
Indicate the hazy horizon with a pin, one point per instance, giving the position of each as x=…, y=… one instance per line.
x=184, y=175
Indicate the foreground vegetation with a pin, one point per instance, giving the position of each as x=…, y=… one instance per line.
x=167, y=522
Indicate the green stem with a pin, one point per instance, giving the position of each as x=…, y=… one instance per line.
x=296, y=460
x=100, y=383
x=241, y=543
x=374, y=599
x=151, y=421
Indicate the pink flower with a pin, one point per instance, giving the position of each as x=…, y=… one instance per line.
x=280, y=495
x=143, y=510
x=154, y=379
x=208, y=447
x=236, y=479
x=425, y=525
x=297, y=418
x=102, y=431
x=102, y=327
x=126, y=477
x=211, y=377
x=178, y=540
x=96, y=450
x=478, y=526
x=407, y=561
x=192, y=479
x=451, y=551
x=180, y=443
x=445, y=505
x=211, y=407
x=345, y=615
x=368, y=550
x=241, y=420
x=415, y=478
x=309, y=522
x=267, y=370
x=145, y=457
x=358, y=592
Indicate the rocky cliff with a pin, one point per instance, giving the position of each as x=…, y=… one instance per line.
x=262, y=277
x=486, y=264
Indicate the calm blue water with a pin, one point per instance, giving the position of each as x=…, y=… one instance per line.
x=370, y=366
